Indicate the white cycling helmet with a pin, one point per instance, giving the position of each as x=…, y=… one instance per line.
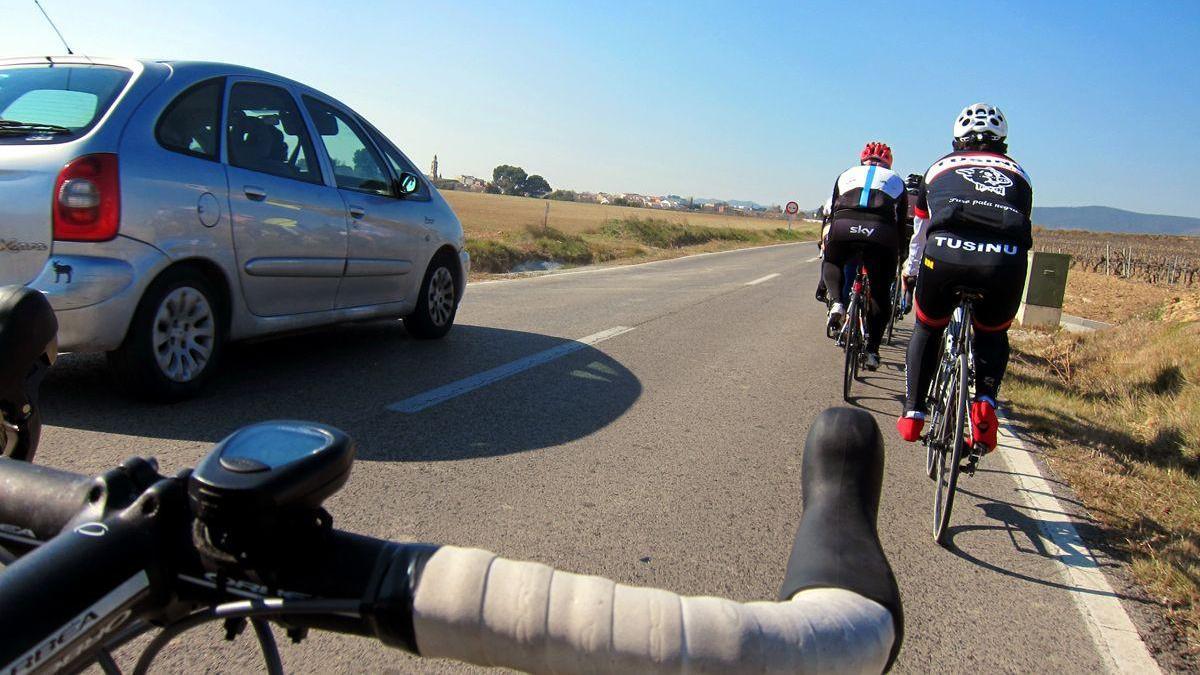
x=981, y=118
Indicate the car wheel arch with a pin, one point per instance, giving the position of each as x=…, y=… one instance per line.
x=214, y=275
x=451, y=253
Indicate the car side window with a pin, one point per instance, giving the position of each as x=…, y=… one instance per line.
x=356, y=163
x=190, y=123
x=266, y=133
x=399, y=164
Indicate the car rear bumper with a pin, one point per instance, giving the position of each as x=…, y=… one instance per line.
x=94, y=290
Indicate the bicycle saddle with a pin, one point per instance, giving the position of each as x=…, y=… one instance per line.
x=968, y=292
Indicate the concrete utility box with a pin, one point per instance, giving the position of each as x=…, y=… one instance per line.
x=1045, y=286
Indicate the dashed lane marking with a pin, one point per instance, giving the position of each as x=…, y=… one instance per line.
x=762, y=279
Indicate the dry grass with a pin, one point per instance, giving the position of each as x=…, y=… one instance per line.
x=615, y=240
x=487, y=216
x=1115, y=300
x=503, y=232
x=1119, y=411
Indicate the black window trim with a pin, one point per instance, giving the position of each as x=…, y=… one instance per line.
x=219, y=131
x=383, y=144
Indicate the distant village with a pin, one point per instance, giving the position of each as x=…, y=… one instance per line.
x=513, y=181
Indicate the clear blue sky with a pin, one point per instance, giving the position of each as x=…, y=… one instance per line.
x=737, y=100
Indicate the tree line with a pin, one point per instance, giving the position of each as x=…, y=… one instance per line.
x=512, y=180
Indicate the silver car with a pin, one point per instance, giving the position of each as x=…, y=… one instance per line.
x=166, y=208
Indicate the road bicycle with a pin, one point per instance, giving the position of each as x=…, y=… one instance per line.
x=92, y=563
x=946, y=444
x=852, y=337
x=897, y=291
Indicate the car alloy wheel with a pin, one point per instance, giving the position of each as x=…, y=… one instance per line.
x=183, y=334
x=441, y=296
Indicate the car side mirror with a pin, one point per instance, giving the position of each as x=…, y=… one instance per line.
x=407, y=184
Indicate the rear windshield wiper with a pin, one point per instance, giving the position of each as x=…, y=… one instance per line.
x=13, y=127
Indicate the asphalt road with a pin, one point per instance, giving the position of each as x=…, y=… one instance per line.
x=667, y=455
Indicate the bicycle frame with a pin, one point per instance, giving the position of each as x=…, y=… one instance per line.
x=860, y=294
x=853, y=336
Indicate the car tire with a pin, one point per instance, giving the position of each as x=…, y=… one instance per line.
x=437, y=301
x=175, y=339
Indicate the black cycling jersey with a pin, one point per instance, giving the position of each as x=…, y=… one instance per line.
x=984, y=192
x=869, y=204
x=973, y=230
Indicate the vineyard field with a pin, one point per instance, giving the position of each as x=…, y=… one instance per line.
x=1158, y=259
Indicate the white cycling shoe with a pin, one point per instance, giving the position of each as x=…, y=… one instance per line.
x=837, y=312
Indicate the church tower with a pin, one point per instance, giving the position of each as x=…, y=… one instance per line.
x=433, y=169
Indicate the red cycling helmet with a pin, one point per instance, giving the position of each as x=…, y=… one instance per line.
x=877, y=151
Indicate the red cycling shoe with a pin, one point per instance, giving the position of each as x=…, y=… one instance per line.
x=910, y=426
x=984, y=424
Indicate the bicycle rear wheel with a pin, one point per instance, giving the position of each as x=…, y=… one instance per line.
x=936, y=404
x=897, y=293
x=853, y=345
x=950, y=457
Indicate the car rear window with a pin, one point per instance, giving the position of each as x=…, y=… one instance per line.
x=55, y=102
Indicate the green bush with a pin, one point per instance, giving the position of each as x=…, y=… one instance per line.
x=490, y=255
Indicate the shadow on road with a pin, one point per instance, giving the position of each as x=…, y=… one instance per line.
x=1029, y=536
x=1075, y=540
x=883, y=383
x=348, y=375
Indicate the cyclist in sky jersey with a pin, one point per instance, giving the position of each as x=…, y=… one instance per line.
x=866, y=217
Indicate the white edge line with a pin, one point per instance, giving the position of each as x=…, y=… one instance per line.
x=612, y=268
x=815, y=258
x=428, y=399
x=1112, y=630
x=762, y=279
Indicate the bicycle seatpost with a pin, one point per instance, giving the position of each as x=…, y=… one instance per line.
x=837, y=545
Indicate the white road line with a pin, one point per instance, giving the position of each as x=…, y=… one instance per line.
x=1115, y=636
x=592, y=269
x=446, y=392
x=815, y=258
x=762, y=279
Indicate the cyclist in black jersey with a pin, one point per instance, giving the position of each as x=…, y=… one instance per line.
x=971, y=230
x=912, y=185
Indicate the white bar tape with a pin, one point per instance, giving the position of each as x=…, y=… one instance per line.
x=474, y=606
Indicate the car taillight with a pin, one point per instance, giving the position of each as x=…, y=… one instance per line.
x=87, y=199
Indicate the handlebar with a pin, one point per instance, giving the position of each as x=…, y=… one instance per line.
x=102, y=554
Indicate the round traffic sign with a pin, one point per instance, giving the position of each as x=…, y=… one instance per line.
x=792, y=208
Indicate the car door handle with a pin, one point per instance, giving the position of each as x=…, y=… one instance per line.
x=254, y=193
x=357, y=212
